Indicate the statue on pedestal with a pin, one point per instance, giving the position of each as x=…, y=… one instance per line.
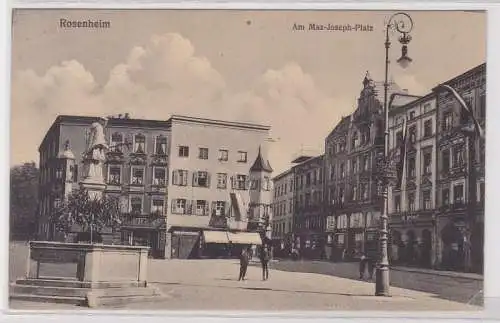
x=95, y=153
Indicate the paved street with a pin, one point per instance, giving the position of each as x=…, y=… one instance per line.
x=457, y=289
x=212, y=285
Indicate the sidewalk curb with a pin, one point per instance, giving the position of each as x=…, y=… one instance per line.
x=440, y=273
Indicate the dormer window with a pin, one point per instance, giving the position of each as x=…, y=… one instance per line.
x=139, y=144
x=116, y=141
x=161, y=145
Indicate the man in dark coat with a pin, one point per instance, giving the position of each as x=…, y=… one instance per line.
x=264, y=260
x=244, y=260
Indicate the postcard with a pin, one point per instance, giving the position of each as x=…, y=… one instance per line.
x=247, y=160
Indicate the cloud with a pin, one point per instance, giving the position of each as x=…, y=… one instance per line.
x=166, y=76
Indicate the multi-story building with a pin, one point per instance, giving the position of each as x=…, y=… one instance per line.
x=309, y=222
x=461, y=166
x=137, y=175
x=412, y=202
x=283, y=209
x=209, y=162
x=352, y=199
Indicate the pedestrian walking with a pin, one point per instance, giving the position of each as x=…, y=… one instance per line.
x=244, y=260
x=362, y=266
x=264, y=260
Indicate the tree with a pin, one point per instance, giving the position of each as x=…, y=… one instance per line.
x=23, y=200
x=90, y=214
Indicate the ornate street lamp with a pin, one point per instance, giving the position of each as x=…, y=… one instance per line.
x=402, y=23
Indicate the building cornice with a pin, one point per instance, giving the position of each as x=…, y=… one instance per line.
x=203, y=121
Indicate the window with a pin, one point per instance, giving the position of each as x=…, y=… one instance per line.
x=342, y=171
x=341, y=196
x=266, y=184
x=427, y=107
x=116, y=140
x=426, y=199
x=458, y=194
x=411, y=167
x=397, y=203
x=354, y=166
x=308, y=179
x=412, y=115
x=332, y=172
x=355, y=140
x=411, y=202
x=114, y=175
x=201, y=179
x=446, y=160
x=242, y=156
x=428, y=128
x=445, y=195
x=180, y=177
x=158, y=206
x=219, y=208
x=202, y=207
x=240, y=182
x=354, y=193
x=161, y=145
x=137, y=176
x=179, y=206
x=413, y=134
x=447, y=121
x=364, y=191
x=223, y=155
x=427, y=163
x=136, y=205
x=308, y=199
x=183, y=151
x=159, y=176
x=482, y=106
x=203, y=153
x=458, y=156
x=399, y=138
x=139, y=144
x=222, y=180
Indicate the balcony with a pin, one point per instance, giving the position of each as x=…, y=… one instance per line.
x=115, y=157
x=159, y=160
x=138, y=158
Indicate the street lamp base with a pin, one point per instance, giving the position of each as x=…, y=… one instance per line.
x=382, y=282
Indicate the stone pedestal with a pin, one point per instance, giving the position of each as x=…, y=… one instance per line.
x=85, y=274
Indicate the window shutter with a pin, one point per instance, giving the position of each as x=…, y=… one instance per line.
x=175, y=177
x=174, y=203
x=195, y=179
x=209, y=177
x=188, y=208
x=247, y=183
x=185, y=178
x=207, y=208
x=232, y=182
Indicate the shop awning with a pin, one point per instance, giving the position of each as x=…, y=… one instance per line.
x=215, y=237
x=252, y=238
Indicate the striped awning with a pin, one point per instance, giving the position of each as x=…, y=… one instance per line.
x=215, y=237
x=251, y=238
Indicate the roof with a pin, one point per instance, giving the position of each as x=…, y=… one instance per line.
x=236, y=124
x=261, y=165
x=479, y=67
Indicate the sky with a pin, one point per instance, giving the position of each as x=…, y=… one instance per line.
x=231, y=65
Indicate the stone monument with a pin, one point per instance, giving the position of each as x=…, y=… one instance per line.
x=94, y=158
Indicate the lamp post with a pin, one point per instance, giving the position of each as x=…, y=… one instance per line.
x=403, y=24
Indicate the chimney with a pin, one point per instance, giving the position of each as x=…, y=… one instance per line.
x=405, y=91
